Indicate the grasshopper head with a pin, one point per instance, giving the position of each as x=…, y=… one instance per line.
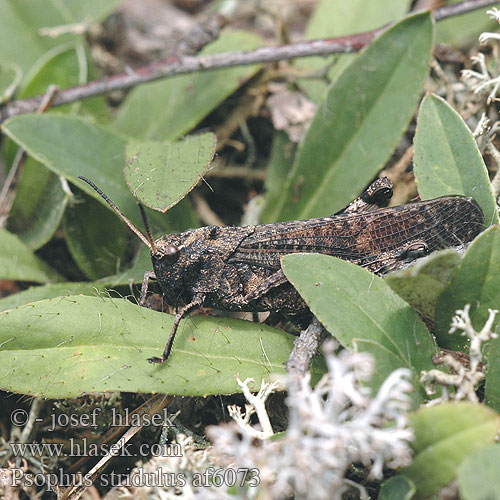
x=172, y=267
x=177, y=258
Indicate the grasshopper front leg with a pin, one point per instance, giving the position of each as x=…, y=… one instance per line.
x=197, y=302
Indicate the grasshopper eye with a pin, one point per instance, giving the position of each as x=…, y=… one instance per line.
x=416, y=250
x=382, y=195
x=171, y=254
x=378, y=193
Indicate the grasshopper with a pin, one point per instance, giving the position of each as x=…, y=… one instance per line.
x=239, y=268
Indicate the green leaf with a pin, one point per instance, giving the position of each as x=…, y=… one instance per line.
x=386, y=361
x=360, y=310
x=40, y=198
x=134, y=274
x=333, y=18
x=422, y=284
x=10, y=77
x=280, y=163
x=66, y=65
x=465, y=29
x=360, y=122
x=73, y=146
x=474, y=282
x=169, y=108
x=17, y=262
x=444, y=435
x=20, y=23
x=447, y=159
x=160, y=174
x=35, y=293
x=478, y=477
x=43, y=223
x=492, y=386
x=96, y=239
x=88, y=344
x=397, y=488
x=22, y=20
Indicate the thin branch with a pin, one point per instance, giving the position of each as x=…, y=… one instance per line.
x=177, y=65
x=458, y=9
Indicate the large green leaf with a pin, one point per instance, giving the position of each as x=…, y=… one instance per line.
x=17, y=262
x=160, y=174
x=168, y=109
x=444, y=435
x=474, y=282
x=73, y=146
x=447, y=159
x=421, y=284
x=478, y=477
x=332, y=18
x=360, y=122
x=361, y=311
x=67, y=346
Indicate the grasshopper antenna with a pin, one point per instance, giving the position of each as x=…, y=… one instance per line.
x=148, y=232
x=122, y=217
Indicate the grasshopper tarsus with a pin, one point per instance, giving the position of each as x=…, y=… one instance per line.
x=155, y=359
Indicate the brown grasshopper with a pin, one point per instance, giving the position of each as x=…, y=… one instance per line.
x=239, y=268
